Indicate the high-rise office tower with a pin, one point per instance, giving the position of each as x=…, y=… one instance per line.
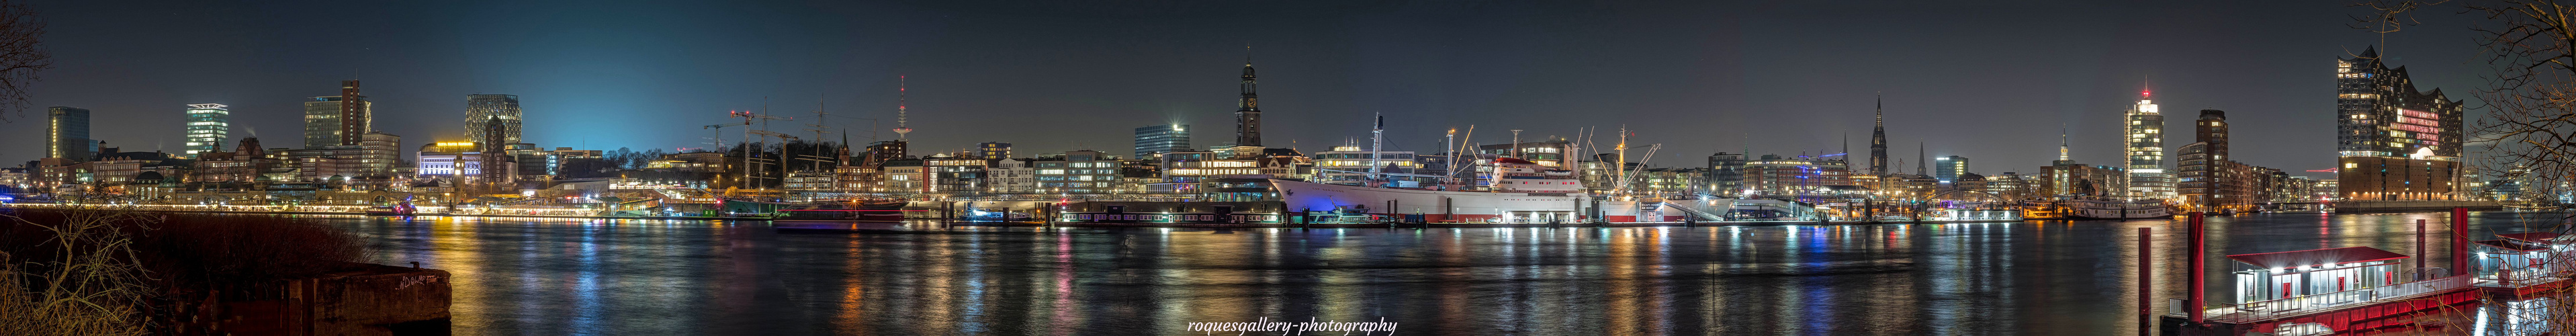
x=2209, y=179
x=1247, y=118
x=208, y=125
x=2145, y=136
x=1158, y=139
x=341, y=120
x=1948, y=169
x=489, y=108
x=1878, y=141
x=355, y=119
x=67, y=133
x=2392, y=141
x=2212, y=129
x=495, y=153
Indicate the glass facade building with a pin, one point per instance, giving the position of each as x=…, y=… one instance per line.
x=322, y=122
x=2394, y=142
x=67, y=133
x=481, y=109
x=208, y=126
x=1158, y=139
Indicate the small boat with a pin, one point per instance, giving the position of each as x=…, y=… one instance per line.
x=398, y=209
x=981, y=215
x=2117, y=209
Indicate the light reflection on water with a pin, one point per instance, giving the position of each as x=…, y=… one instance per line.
x=713, y=277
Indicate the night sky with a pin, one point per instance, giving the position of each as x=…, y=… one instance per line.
x=1989, y=82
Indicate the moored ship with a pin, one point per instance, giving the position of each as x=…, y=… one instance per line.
x=1522, y=192
x=2116, y=209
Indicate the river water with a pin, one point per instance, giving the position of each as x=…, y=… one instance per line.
x=557, y=276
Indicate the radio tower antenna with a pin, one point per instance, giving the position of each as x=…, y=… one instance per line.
x=901, y=99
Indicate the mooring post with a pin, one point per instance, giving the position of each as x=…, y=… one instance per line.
x=2419, y=249
x=2146, y=280
x=2460, y=241
x=2199, y=244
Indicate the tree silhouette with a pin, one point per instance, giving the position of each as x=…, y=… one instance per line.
x=22, y=55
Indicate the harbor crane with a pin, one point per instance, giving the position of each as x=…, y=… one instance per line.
x=719, y=144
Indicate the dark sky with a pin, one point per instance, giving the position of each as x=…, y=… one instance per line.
x=1991, y=82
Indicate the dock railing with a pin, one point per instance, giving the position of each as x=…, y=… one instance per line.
x=2520, y=277
x=2310, y=304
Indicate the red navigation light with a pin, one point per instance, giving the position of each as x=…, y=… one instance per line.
x=2146, y=93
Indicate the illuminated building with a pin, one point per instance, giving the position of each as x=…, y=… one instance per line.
x=2144, y=134
x=1226, y=176
x=1800, y=178
x=2010, y=186
x=1077, y=172
x=2210, y=180
x=887, y=151
x=1011, y=175
x=1549, y=153
x=1968, y=182
x=67, y=134
x=341, y=120
x=14, y=178
x=482, y=109
x=374, y=158
x=1670, y=181
x=207, y=128
x=1726, y=173
x=2069, y=180
x=463, y=163
x=1159, y=139
x=993, y=150
x=2065, y=179
x=1350, y=163
x=1947, y=169
x=246, y=163
x=2392, y=141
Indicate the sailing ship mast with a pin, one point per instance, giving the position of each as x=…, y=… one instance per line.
x=1377, y=138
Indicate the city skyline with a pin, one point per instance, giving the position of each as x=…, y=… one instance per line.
x=1324, y=92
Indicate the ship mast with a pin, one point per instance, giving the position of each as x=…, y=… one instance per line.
x=1377, y=138
x=1450, y=142
x=1622, y=168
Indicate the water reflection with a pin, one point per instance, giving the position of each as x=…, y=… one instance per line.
x=659, y=276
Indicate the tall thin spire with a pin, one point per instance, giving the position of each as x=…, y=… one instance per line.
x=902, y=100
x=2061, y=144
x=1878, y=140
x=1920, y=159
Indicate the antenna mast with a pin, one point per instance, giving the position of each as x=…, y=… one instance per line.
x=901, y=100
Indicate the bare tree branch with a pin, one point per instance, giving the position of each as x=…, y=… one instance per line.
x=22, y=55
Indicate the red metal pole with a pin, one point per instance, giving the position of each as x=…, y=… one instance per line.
x=2419, y=248
x=2460, y=241
x=2199, y=244
x=2146, y=280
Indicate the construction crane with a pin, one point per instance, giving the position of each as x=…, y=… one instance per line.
x=719, y=144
